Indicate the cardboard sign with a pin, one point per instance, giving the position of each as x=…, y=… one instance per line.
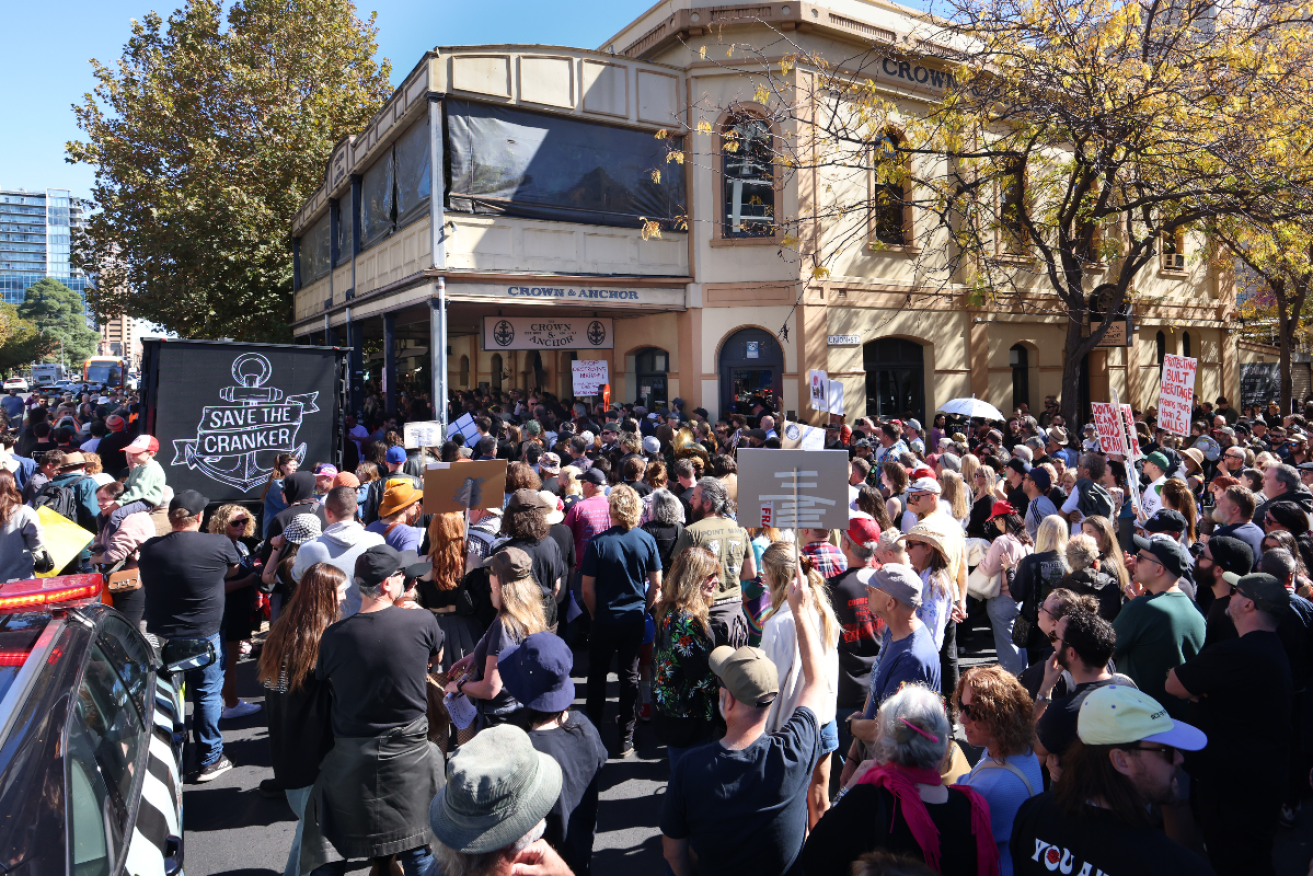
x=465, y=485
x=589, y=375
x=793, y=488
x=1107, y=419
x=62, y=537
x=1176, y=395
x=426, y=433
x=820, y=390
x=800, y=436
x=836, y=397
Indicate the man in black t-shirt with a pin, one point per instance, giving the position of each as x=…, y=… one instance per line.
x=1099, y=819
x=375, y=786
x=183, y=575
x=859, y=636
x=1241, y=689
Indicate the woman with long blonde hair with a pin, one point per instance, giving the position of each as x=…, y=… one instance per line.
x=1100, y=529
x=956, y=495
x=438, y=591
x=683, y=687
x=518, y=600
x=780, y=642
x=970, y=463
x=982, y=482
x=571, y=490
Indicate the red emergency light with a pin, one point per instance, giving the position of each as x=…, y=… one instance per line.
x=35, y=592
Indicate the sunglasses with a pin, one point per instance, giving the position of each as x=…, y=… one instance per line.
x=1168, y=751
x=238, y=521
x=968, y=712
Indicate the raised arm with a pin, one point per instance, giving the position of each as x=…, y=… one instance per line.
x=809, y=644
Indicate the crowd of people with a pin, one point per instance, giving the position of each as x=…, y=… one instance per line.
x=1143, y=709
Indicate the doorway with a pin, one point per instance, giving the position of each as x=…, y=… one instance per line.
x=751, y=371
x=895, y=378
x=651, y=367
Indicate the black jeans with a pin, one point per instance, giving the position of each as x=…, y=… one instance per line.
x=948, y=665
x=621, y=641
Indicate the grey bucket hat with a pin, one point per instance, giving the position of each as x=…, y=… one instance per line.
x=498, y=787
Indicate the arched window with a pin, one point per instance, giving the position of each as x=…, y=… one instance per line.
x=749, y=177
x=1019, y=359
x=888, y=194
x=1186, y=345
x=1162, y=349
x=465, y=371
x=496, y=371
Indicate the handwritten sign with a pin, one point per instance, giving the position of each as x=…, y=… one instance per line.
x=820, y=390
x=800, y=436
x=1128, y=422
x=793, y=488
x=589, y=375
x=465, y=485
x=426, y=433
x=1176, y=395
x=1107, y=419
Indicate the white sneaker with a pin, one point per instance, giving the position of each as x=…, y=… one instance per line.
x=241, y=710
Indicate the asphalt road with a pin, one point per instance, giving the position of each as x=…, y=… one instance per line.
x=231, y=830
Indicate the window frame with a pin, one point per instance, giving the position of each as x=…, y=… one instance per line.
x=727, y=121
x=1012, y=243
x=874, y=186
x=1171, y=254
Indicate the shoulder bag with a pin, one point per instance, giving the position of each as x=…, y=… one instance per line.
x=120, y=580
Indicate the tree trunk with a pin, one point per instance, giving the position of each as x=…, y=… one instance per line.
x=1286, y=338
x=1074, y=360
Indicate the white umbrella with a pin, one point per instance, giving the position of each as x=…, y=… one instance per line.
x=972, y=407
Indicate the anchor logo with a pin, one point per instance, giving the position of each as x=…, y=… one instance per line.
x=230, y=438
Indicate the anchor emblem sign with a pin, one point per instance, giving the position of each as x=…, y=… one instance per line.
x=231, y=439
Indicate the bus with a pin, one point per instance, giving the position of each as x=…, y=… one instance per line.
x=107, y=371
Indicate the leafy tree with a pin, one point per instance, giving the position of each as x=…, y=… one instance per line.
x=57, y=313
x=20, y=342
x=206, y=140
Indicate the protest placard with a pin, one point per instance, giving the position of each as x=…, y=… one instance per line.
x=1176, y=394
x=793, y=488
x=836, y=397
x=424, y=433
x=820, y=390
x=466, y=426
x=465, y=485
x=800, y=436
x=589, y=376
x=1128, y=423
x=1110, y=430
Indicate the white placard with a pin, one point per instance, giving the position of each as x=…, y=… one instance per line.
x=795, y=488
x=589, y=375
x=1176, y=394
x=548, y=333
x=836, y=397
x=425, y=433
x=800, y=436
x=820, y=390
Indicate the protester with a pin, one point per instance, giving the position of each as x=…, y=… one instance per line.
x=536, y=672
x=1088, y=578
x=272, y=497
x=183, y=574
x=1009, y=547
x=859, y=641
x=1098, y=817
x=398, y=510
x=440, y=592
x=899, y=802
x=20, y=533
x=524, y=523
x=712, y=529
x=298, y=703
x=342, y=542
x=236, y=523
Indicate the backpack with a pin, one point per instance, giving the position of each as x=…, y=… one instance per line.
x=474, y=597
x=1095, y=500
x=63, y=500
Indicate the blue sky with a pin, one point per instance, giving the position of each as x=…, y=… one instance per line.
x=46, y=70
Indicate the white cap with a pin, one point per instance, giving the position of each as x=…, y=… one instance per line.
x=925, y=485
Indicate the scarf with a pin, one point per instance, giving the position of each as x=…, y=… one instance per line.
x=901, y=782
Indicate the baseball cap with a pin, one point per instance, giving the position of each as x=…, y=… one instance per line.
x=594, y=476
x=1118, y=715
x=190, y=501
x=862, y=530
x=413, y=565
x=396, y=455
x=748, y=674
x=1168, y=551
x=925, y=485
x=1020, y=466
x=914, y=424
x=143, y=444
x=651, y=444
x=1159, y=459
x=899, y=581
x=1234, y=556
x=1269, y=594
x=1041, y=478
x=377, y=564
x=1001, y=509
x=326, y=469
x=1166, y=520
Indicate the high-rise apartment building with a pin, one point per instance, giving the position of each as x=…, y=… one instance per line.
x=35, y=240
x=121, y=336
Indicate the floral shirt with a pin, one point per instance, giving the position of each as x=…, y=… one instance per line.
x=683, y=685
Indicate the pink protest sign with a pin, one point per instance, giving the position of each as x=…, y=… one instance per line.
x=1176, y=395
x=1105, y=419
x=1128, y=420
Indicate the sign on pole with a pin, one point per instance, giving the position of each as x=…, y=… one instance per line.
x=820, y=390
x=589, y=376
x=465, y=485
x=793, y=489
x=426, y=433
x=1130, y=447
x=1133, y=441
x=836, y=397
x=1176, y=395
x=1107, y=420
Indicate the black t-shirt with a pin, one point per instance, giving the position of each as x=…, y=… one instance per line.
x=544, y=557
x=859, y=639
x=564, y=538
x=745, y=811
x=572, y=823
x=665, y=535
x=1056, y=728
x=1219, y=626
x=1018, y=499
x=182, y=574
x=642, y=489
x=1245, y=692
x=867, y=819
x=378, y=664
x=495, y=639
x=1044, y=839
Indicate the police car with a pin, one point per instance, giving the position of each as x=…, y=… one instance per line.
x=91, y=731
